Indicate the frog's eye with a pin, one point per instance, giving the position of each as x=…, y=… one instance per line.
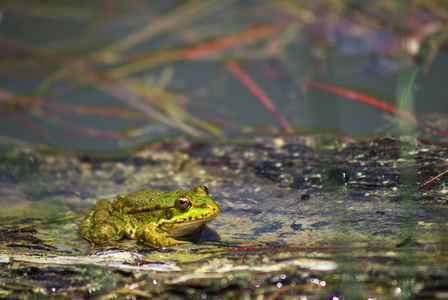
x=183, y=203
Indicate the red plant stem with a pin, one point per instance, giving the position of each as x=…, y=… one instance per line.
x=295, y=248
x=96, y=110
x=30, y=124
x=87, y=131
x=372, y=101
x=258, y=92
x=245, y=37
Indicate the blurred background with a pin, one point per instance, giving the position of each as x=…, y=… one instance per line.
x=104, y=74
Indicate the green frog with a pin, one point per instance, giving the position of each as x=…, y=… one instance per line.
x=156, y=218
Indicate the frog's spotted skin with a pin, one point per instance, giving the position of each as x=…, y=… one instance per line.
x=156, y=218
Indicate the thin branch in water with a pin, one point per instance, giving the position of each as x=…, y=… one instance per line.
x=423, y=184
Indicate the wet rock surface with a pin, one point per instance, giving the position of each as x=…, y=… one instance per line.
x=312, y=216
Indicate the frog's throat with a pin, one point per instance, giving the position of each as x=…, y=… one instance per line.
x=185, y=225
x=188, y=223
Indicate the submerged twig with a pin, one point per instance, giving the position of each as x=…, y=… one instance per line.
x=425, y=183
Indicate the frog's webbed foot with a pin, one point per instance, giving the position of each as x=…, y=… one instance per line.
x=103, y=225
x=153, y=237
x=109, y=232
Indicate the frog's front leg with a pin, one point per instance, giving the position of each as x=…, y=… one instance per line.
x=154, y=237
x=103, y=224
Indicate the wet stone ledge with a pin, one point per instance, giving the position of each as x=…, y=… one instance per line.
x=312, y=216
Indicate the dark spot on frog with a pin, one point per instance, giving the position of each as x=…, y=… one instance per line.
x=296, y=227
x=168, y=214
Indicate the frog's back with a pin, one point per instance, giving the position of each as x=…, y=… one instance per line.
x=146, y=197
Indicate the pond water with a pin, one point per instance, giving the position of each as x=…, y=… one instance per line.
x=104, y=75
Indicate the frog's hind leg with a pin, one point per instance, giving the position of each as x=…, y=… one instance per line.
x=152, y=236
x=102, y=207
x=102, y=225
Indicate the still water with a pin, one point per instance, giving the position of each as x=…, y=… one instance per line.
x=104, y=75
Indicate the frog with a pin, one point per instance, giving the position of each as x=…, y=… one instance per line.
x=155, y=218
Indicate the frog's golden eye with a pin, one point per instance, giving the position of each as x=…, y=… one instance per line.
x=183, y=203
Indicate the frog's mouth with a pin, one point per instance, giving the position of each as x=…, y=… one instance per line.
x=186, y=225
